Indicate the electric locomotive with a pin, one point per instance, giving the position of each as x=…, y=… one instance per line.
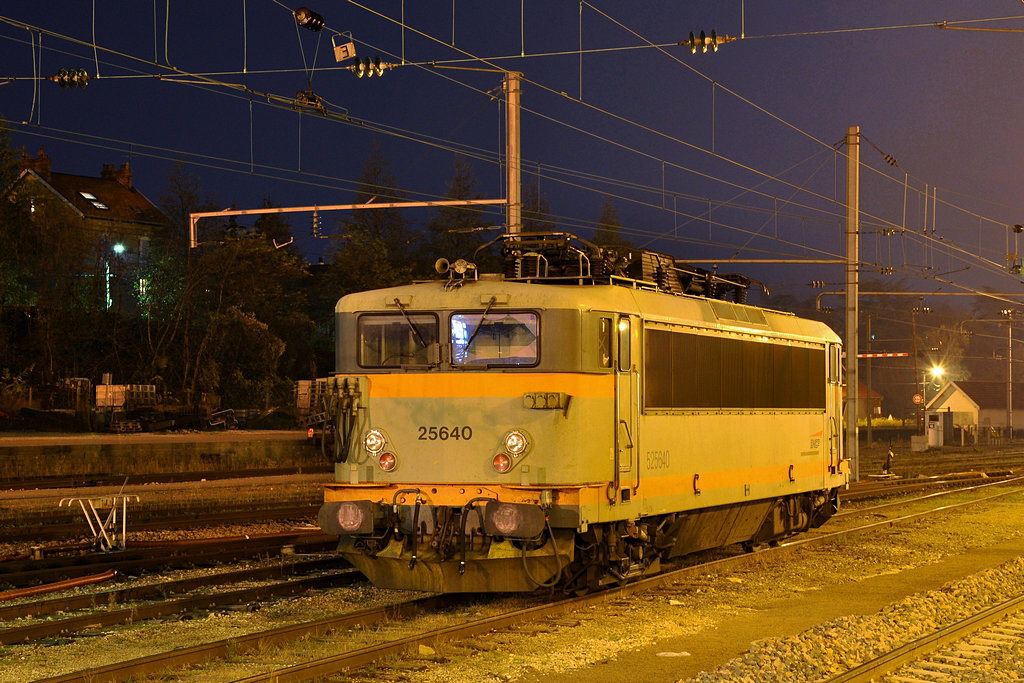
x=573, y=421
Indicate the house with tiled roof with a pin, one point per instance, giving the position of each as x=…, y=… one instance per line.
x=107, y=209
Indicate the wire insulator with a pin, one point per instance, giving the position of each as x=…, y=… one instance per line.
x=307, y=18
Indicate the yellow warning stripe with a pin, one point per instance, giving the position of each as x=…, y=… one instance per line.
x=586, y=494
x=489, y=384
x=670, y=485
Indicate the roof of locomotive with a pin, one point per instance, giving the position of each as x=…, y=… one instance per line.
x=653, y=306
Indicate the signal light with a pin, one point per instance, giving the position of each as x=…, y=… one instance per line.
x=387, y=461
x=307, y=18
x=501, y=462
x=369, y=67
x=71, y=78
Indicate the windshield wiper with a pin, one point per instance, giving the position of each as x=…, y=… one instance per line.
x=481, y=324
x=412, y=325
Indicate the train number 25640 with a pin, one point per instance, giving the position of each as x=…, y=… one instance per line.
x=434, y=433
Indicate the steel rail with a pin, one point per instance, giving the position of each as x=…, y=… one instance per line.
x=862, y=490
x=30, y=528
x=91, y=481
x=363, y=656
x=135, y=613
x=937, y=494
x=151, y=591
x=158, y=558
x=231, y=646
x=915, y=650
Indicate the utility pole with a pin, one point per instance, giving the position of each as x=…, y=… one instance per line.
x=1009, y=380
x=852, y=286
x=513, y=154
x=867, y=380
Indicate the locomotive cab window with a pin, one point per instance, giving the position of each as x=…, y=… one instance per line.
x=604, y=343
x=623, y=329
x=495, y=339
x=391, y=340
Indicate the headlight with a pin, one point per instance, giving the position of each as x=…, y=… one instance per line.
x=387, y=461
x=515, y=443
x=501, y=462
x=374, y=441
x=347, y=517
x=506, y=519
x=350, y=517
x=515, y=520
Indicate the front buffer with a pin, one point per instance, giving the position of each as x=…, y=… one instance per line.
x=482, y=546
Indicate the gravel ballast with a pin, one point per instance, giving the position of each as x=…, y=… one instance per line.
x=805, y=615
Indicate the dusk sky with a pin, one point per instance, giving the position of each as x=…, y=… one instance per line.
x=747, y=132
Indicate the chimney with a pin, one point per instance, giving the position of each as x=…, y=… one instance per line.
x=41, y=164
x=124, y=175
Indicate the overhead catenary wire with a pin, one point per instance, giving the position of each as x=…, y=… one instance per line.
x=279, y=3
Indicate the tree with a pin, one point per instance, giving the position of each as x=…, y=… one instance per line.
x=229, y=317
x=536, y=212
x=248, y=337
x=274, y=227
x=609, y=229
x=453, y=232
x=377, y=247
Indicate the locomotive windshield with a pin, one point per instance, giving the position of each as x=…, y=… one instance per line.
x=390, y=340
x=494, y=339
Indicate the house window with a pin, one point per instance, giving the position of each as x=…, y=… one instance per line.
x=94, y=200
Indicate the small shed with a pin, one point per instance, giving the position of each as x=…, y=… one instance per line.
x=979, y=406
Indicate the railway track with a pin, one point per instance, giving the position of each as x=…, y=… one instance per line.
x=93, y=481
x=955, y=650
x=51, y=527
x=959, y=486
x=468, y=626
x=31, y=572
x=888, y=487
x=102, y=608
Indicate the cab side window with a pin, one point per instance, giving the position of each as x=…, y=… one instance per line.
x=604, y=343
x=623, y=329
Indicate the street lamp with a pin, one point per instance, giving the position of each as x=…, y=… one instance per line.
x=936, y=371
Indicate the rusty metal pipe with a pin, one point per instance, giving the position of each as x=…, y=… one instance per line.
x=58, y=586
